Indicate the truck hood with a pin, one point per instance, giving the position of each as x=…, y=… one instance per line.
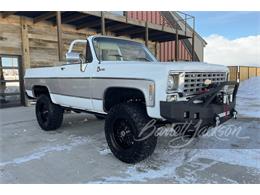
x=192, y=66
x=171, y=66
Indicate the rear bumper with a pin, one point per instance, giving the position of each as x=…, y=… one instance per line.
x=209, y=112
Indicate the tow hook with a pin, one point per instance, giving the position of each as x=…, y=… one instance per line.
x=217, y=119
x=235, y=114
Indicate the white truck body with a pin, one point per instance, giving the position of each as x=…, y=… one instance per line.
x=71, y=87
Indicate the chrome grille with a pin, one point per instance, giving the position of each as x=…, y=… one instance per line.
x=194, y=81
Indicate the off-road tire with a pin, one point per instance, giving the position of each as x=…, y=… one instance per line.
x=48, y=114
x=136, y=117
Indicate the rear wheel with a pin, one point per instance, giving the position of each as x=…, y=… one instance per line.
x=49, y=115
x=123, y=126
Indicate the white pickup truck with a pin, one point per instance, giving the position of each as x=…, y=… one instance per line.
x=121, y=81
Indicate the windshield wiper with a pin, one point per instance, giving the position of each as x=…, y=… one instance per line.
x=143, y=58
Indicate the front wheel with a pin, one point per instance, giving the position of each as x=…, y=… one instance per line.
x=49, y=115
x=123, y=129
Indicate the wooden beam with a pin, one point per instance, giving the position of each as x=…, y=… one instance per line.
x=26, y=63
x=103, y=24
x=134, y=31
x=6, y=14
x=193, y=42
x=162, y=38
x=59, y=35
x=155, y=33
x=160, y=35
x=177, y=46
x=146, y=34
x=157, y=52
x=88, y=24
x=117, y=27
x=73, y=18
x=25, y=43
x=44, y=16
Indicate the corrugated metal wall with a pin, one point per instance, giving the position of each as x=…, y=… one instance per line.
x=166, y=49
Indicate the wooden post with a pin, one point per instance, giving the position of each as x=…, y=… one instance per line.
x=25, y=62
x=103, y=26
x=126, y=16
x=146, y=34
x=177, y=44
x=156, y=50
x=193, y=42
x=238, y=73
x=59, y=35
x=44, y=16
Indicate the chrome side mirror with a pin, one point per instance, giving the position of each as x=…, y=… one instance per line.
x=75, y=57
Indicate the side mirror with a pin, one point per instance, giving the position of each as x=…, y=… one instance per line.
x=75, y=57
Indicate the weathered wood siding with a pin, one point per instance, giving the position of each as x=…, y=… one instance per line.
x=243, y=72
x=233, y=73
x=10, y=36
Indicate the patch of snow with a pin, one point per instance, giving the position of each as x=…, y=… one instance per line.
x=105, y=151
x=148, y=169
x=241, y=157
x=248, y=98
x=75, y=141
x=168, y=163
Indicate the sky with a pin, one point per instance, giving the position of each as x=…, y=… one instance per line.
x=233, y=38
x=231, y=25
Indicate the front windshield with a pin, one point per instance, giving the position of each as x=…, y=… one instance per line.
x=110, y=49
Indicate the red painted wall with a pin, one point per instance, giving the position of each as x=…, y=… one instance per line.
x=167, y=49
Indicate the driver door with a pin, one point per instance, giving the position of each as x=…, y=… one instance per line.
x=75, y=80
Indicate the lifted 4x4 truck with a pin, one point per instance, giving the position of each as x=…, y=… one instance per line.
x=121, y=81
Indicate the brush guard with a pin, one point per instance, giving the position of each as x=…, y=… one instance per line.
x=213, y=107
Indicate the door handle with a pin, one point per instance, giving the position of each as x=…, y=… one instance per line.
x=62, y=68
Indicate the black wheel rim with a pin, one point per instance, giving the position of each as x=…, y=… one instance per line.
x=44, y=112
x=123, y=134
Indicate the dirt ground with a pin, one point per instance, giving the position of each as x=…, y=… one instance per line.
x=78, y=153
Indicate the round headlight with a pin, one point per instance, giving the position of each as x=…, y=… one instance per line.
x=171, y=82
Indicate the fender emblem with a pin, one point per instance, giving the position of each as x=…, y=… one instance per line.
x=100, y=69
